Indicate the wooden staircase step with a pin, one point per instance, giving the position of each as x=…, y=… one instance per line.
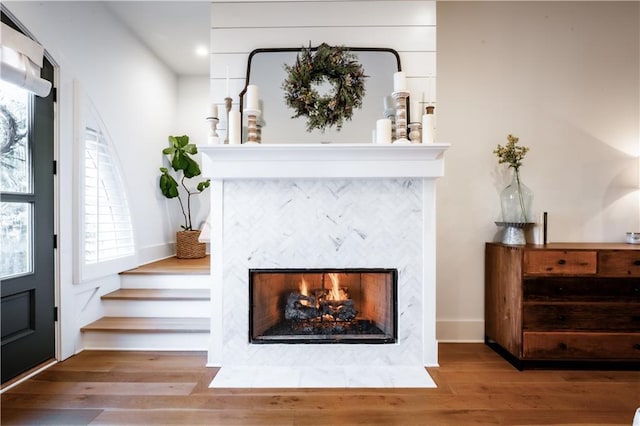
x=149, y=325
x=173, y=266
x=158, y=294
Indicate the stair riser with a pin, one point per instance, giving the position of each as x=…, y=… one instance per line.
x=165, y=281
x=157, y=308
x=145, y=341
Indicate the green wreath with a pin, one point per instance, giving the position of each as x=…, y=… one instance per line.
x=340, y=68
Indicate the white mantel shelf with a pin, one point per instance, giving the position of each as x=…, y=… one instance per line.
x=249, y=161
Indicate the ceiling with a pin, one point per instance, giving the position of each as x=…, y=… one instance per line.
x=171, y=29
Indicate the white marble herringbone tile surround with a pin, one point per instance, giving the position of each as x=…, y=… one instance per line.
x=323, y=223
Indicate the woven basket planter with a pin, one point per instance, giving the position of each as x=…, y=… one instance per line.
x=188, y=246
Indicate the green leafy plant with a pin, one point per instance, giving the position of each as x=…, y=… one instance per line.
x=184, y=167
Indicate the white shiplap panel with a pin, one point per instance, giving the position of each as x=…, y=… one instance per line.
x=406, y=26
x=321, y=14
x=398, y=38
x=422, y=64
x=421, y=89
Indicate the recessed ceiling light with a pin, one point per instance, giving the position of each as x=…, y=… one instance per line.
x=201, y=50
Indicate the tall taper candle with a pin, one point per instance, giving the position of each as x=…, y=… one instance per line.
x=234, y=127
x=228, y=88
x=416, y=111
x=213, y=111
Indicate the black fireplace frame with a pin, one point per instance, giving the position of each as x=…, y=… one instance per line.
x=335, y=339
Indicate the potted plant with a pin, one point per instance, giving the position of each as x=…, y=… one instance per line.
x=184, y=167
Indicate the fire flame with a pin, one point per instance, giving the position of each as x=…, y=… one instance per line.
x=336, y=293
x=304, y=290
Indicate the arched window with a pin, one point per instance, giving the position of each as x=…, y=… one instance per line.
x=107, y=243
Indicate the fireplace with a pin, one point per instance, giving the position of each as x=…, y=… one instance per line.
x=301, y=207
x=323, y=306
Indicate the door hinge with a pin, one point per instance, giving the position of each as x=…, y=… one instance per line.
x=54, y=93
x=55, y=167
x=55, y=241
x=55, y=314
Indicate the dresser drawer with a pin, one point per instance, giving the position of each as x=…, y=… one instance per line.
x=620, y=263
x=585, y=346
x=581, y=316
x=581, y=289
x=560, y=262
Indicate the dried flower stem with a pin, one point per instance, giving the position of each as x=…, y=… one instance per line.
x=513, y=156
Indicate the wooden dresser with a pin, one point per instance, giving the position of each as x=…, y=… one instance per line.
x=564, y=303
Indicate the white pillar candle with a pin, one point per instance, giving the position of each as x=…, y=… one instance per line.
x=383, y=131
x=213, y=111
x=428, y=128
x=234, y=127
x=399, y=82
x=253, y=97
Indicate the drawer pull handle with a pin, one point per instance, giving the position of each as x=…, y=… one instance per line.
x=561, y=262
x=561, y=318
x=637, y=346
x=636, y=262
x=559, y=289
x=562, y=346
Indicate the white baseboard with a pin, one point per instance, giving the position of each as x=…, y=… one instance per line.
x=460, y=331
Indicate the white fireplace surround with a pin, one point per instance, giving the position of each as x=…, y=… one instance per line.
x=323, y=206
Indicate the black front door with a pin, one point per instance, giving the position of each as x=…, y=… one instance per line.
x=27, y=228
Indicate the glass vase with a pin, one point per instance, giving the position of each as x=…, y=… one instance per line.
x=515, y=201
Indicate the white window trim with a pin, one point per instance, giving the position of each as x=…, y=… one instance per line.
x=84, y=272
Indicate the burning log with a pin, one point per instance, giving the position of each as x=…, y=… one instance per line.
x=341, y=310
x=301, y=307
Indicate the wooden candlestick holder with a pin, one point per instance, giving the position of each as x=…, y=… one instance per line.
x=227, y=105
x=253, y=136
x=213, y=130
x=401, y=118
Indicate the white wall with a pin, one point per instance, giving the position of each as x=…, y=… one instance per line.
x=564, y=77
x=136, y=97
x=192, y=108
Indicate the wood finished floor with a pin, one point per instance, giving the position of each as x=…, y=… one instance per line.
x=173, y=265
x=475, y=386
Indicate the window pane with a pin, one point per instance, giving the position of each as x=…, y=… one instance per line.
x=108, y=233
x=15, y=163
x=15, y=234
